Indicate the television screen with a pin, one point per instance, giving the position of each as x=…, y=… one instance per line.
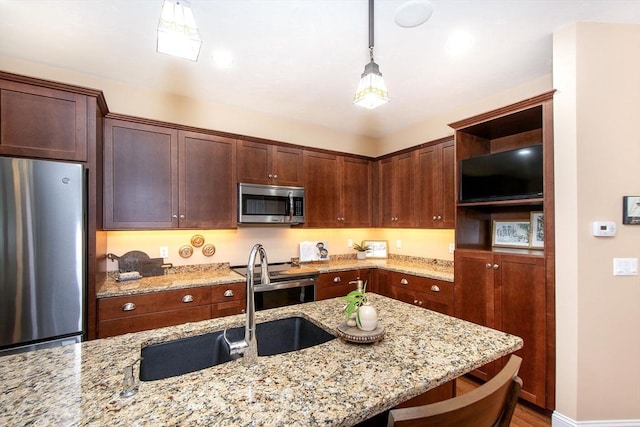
x=507, y=175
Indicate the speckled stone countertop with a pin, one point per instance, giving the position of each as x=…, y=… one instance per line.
x=221, y=274
x=333, y=384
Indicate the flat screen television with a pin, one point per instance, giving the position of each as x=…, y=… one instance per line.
x=507, y=175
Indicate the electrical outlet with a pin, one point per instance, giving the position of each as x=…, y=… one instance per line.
x=164, y=251
x=452, y=247
x=350, y=243
x=398, y=244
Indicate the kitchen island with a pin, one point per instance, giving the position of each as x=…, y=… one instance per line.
x=336, y=383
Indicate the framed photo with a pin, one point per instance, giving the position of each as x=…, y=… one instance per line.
x=511, y=234
x=377, y=248
x=631, y=210
x=536, y=240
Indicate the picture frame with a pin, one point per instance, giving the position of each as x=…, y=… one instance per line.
x=377, y=248
x=536, y=239
x=631, y=210
x=511, y=233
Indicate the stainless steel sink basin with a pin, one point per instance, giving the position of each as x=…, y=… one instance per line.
x=178, y=357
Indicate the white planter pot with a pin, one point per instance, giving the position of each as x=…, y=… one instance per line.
x=362, y=255
x=367, y=318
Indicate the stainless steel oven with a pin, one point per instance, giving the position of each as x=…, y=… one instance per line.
x=289, y=285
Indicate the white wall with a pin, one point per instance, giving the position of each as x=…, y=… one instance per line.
x=597, y=147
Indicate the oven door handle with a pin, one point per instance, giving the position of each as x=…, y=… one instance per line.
x=285, y=285
x=290, y=206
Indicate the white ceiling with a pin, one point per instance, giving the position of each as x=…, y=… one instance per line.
x=302, y=59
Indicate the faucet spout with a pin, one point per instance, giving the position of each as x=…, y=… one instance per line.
x=248, y=347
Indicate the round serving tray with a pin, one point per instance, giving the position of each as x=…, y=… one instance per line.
x=353, y=334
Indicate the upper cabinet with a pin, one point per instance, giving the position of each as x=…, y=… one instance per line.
x=260, y=163
x=397, y=190
x=159, y=177
x=338, y=190
x=43, y=122
x=435, y=201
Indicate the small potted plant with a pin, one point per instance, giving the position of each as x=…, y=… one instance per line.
x=366, y=316
x=362, y=250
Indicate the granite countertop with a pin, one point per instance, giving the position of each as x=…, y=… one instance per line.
x=222, y=274
x=336, y=383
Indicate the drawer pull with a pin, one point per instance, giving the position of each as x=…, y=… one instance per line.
x=336, y=279
x=228, y=293
x=187, y=298
x=435, y=288
x=488, y=265
x=404, y=282
x=129, y=307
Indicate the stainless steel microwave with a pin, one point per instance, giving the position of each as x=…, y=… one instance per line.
x=270, y=204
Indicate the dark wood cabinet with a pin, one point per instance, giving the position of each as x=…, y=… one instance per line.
x=432, y=294
x=158, y=177
x=227, y=300
x=339, y=284
x=397, y=190
x=504, y=292
x=510, y=289
x=260, y=163
x=134, y=313
x=435, y=201
x=338, y=190
x=44, y=122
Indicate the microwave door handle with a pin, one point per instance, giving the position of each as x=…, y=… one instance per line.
x=290, y=206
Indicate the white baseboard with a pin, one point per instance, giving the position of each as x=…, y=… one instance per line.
x=559, y=420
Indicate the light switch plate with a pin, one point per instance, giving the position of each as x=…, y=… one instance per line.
x=625, y=266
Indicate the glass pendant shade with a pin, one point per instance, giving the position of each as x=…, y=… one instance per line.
x=372, y=91
x=178, y=34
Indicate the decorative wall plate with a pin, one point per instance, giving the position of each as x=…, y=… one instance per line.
x=208, y=249
x=186, y=251
x=197, y=240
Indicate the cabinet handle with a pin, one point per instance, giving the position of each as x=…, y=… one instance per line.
x=404, y=282
x=435, y=288
x=439, y=217
x=434, y=217
x=129, y=307
x=496, y=266
x=415, y=301
x=187, y=298
x=419, y=302
x=488, y=265
x=174, y=216
x=270, y=176
x=275, y=176
x=228, y=293
x=182, y=216
x=336, y=280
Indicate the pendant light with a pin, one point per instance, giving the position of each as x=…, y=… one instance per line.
x=178, y=34
x=372, y=92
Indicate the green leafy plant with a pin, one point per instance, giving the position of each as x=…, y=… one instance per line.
x=361, y=247
x=354, y=300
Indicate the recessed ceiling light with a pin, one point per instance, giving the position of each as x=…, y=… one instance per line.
x=413, y=13
x=222, y=58
x=459, y=43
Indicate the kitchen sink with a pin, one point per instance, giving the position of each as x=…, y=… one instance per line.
x=181, y=356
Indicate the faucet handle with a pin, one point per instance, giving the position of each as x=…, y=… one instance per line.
x=235, y=347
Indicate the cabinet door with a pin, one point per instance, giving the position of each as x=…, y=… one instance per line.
x=474, y=294
x=405, y=190
x=206, y=181
x=140, y=176
x=42, y=122
x=435, y=201
x=520, y=303
x=356, y=192
x=287, y=166
x=386, y=182
x=321, y=189
x=260, y=163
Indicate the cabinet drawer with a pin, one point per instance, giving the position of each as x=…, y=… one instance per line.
x=125, y=325
x=438, y=288
x=135, y=305
x=228, y=308
x=230, y=292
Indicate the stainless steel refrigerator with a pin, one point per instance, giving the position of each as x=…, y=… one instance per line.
x=42, y=257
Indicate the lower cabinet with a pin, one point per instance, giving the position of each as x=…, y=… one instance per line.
x=433, y=294
x=339, y=284
x=507, y=292
x=134, y=313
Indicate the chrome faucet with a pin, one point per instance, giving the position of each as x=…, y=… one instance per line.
x=248, y=347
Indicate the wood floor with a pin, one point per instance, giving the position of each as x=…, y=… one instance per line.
x=524, y=415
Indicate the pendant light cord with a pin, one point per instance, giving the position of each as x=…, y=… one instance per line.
x=371, y=29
